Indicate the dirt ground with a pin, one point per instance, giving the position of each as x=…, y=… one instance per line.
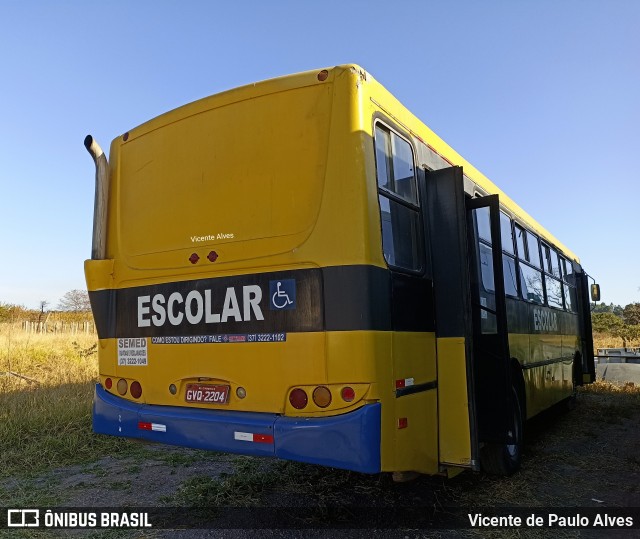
x=586, y=458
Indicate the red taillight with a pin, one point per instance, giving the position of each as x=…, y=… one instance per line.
x=348, y=394
x=323, y=75
x=108, y=383
x=298, y=399
x=135, y=390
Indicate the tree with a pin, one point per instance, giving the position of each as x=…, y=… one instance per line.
x=631, y=314
x=604, y=308
x=75, y=301
x=606, y=322
x=612, y=324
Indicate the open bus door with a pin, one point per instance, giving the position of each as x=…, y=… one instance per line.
x=479, y=414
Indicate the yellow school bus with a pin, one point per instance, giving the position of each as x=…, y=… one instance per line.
x=300, y=268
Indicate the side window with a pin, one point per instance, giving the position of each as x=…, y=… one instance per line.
x=398, y=197
x=533, y=250
x=530, y=275
x=506, y=233
x=510, y=279
x=508, y=261
x=520, y=235
x=483, y=222
x=553, y=286
x=531, y=279
x=570, y=298
x=568, y=285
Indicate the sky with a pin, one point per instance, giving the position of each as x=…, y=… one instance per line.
x=542, y=96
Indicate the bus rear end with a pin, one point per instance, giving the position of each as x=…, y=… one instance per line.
x=217, y=291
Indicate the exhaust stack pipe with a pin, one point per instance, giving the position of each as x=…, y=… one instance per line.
x=99, y=239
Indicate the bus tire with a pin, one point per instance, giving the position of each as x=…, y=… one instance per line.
x=505, y=459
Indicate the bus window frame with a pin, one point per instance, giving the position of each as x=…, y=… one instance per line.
x=393, y=128
x=547, y=263
x=524, y=259
x=513, y=254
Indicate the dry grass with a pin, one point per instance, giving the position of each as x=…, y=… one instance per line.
x=604, y=340
x=45, y=420
x=51, y=360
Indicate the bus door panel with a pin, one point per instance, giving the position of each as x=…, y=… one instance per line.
x=586, y=371
x=446, y=231
x=491, y=358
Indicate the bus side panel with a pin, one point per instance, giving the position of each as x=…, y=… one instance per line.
x=416, y=444
x=414, y=427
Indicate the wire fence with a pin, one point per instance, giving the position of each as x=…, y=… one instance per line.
x=57, y=327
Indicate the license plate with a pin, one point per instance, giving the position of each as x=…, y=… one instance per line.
x=207, y=394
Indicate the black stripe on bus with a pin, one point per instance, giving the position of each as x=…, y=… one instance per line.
x=419, y=388
x=337, y=298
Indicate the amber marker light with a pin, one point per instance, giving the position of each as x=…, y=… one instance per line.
x=122, y=386
x=322, y=396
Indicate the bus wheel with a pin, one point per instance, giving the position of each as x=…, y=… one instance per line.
x=505, y=459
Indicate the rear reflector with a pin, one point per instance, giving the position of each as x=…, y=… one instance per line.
x=157, y=427
x=252, y=437
x=406, y=382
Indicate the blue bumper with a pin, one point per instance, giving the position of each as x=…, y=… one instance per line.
x=350, y=441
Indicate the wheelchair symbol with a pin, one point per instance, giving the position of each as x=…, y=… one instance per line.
x=283, y=294
x=280, y=298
